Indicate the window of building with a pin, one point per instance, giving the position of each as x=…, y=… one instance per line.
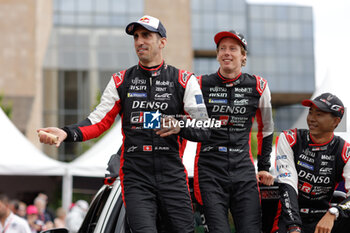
x=96, y=13
x=73, y=106
x=207, y=20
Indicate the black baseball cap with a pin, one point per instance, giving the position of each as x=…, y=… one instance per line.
x=233, y=34
x=150, y=23
x=327, y=102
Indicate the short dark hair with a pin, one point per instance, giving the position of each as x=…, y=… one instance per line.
x=4, y=198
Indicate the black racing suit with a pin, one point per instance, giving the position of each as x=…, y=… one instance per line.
x=153, y=178
x=308, y=174
x=224, y=175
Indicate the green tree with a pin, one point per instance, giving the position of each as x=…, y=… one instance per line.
x=7, y=108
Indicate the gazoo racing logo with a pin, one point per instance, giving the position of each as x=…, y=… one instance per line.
x=306, y=188
x=337, y=108
x=136, y=117
x=223, y=118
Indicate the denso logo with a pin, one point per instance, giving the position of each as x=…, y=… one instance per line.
x=244, y=89
x=154, y=105
x=229, y=109
x=314, y=179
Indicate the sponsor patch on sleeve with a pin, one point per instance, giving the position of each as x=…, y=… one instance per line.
x=199, y=99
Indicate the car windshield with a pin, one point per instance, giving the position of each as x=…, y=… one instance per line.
x=95, y=210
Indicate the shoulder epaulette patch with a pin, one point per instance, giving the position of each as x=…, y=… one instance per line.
x=291, y=136
x=119, y=78
x=260, y=84
x=346, y=152
x=184, y=76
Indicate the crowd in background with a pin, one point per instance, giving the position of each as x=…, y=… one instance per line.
x=39, y=217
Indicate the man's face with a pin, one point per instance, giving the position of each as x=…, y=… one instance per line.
x=40, y=205
x=32, y=218
x=3, y=209
x=148, y=46
x=229, y=55
x=321, y=122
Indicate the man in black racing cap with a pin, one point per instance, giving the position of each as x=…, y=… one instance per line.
x=310, y=163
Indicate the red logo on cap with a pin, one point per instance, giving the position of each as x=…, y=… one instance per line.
x=144, y=19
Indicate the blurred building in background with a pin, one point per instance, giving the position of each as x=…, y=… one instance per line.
x=56, y=56
x=25, y=31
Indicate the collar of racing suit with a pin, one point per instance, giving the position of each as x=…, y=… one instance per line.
x=316, y=146
x=228, y=80
x=152, y=71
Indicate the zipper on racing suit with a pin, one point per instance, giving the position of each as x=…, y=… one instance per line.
x=156, y=161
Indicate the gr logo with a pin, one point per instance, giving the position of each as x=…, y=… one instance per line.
x=151, y=120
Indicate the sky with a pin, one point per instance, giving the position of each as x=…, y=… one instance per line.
x=331, y=36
